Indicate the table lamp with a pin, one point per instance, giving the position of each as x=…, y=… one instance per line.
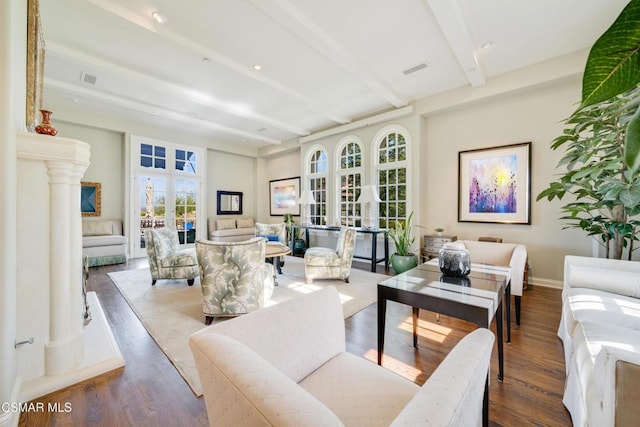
x=368, y=195
x=305, y=201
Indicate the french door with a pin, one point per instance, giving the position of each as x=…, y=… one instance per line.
x=167, y=187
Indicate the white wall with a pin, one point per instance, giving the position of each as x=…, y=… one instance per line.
x=13, y=16
x=107, y=164
x=230, y=172
x=533, y=116
x=281, y=166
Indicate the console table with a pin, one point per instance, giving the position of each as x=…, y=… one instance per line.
x=374, y=239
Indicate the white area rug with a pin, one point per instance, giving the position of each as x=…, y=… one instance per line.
x=171, y=311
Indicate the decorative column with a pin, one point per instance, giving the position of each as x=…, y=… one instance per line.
x=65, y=161
x=65, y=347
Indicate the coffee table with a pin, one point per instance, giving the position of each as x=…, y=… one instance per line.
x=476, y=298
x=273, y=251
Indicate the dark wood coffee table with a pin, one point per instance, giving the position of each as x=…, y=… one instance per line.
x=476, y=298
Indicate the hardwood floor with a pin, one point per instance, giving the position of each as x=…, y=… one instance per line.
x=150, y=392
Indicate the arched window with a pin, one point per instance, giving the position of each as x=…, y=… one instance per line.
x=391, y=167
x=317, y=175
x=349, y=182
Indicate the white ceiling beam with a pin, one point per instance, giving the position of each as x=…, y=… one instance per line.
x=204, y=51
x=286, y=14
x=455, y=30
x=123, y=102
x=378, y=118
x=145, y=79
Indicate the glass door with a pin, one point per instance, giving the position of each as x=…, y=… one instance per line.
x=167, y=184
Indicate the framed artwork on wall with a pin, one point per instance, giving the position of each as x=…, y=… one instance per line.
x=283, y=196
x=494, y=184
x=90, y=198
x=35, y=63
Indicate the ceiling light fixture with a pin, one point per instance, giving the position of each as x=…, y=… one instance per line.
x=159, y=18
x=486, y=45
x=205, y=59
x=257, y=67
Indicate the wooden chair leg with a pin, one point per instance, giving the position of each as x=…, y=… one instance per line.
x=518, y=300
x=208, y=320
x=153, y=282
x=190, y=282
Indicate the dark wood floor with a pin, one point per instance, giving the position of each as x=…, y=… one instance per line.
x=150, y=392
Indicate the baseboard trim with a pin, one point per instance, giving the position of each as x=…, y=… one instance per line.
x=547, y=283
x=101, y=355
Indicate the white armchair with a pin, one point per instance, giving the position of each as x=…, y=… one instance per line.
x=287, y=365
x=505, y=254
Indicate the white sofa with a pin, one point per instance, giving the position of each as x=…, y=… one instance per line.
x=286, y=365
x=230, y=229
x=103, y=242
x=600, y=332
x=503, y=254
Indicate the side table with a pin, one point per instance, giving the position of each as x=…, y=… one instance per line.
x=433, y=243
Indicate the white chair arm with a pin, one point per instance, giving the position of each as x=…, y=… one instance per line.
x=453, y=394
x=238, y=384
x=518, y=264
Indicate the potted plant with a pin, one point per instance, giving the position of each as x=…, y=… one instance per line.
x=439, y=231
x=602, y=142
x=299, y=245
x=403, y=259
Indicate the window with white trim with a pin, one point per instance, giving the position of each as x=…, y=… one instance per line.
x=350, y=183
x=318, y=185
x=392, y=179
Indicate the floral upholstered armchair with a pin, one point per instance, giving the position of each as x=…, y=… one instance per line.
x=166, y=260
x=235, y=277
x=272, y=231
x=275, y=234
x=326, y=263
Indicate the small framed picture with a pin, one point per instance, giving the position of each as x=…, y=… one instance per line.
x=90, y=198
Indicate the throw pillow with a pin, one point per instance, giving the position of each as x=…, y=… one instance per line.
x=244, y=222
x=225, y=224
x=96, y=228
x=271, y=237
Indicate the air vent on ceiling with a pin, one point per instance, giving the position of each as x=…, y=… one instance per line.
x=415, y=68
x=88, y=79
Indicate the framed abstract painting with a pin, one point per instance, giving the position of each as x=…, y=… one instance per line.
x=90, y=195
x=494, y=184
x=283, y=196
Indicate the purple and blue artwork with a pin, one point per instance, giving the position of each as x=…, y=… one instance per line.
x=492, y=186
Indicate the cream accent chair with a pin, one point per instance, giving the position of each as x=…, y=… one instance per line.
x=286, y=365
x=278, y=229
x=504, y=254
x=234, y=276
x=166, y=260
x=326, y=263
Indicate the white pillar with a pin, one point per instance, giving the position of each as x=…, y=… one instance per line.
x=65, y=347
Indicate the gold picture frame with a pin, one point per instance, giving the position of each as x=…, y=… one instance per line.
x=35, y=64
x=91, y=198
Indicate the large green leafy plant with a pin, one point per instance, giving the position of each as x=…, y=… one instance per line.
x=602, y=140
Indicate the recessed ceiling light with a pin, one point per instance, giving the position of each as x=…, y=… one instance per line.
x=73, y=99
x=159, y=18
x=486, y=45
x=205, y=59
x=257, y=67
